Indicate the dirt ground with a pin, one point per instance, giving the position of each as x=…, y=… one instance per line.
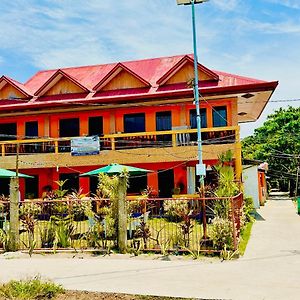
x=78, y=295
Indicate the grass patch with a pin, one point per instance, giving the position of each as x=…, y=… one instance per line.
x=29, y=289
x=245, y=236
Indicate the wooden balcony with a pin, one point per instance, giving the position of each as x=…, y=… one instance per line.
x=173, y=145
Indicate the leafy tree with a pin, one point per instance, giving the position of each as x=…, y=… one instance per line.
x=277, y=142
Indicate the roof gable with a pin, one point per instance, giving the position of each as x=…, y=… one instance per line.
x=183, y=71
x=12, y=89
x=121, y=77
x=61, y=83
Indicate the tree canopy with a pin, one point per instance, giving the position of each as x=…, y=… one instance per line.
x=277, y=142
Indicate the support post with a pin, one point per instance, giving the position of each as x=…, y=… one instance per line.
x=14, y=214
x=122, y=214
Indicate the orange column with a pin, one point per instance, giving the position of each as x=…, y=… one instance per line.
x=84, y=126
x=152, y=182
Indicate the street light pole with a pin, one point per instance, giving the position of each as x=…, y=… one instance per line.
x=200, y=167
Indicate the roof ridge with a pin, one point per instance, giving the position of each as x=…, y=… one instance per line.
x=110, y=63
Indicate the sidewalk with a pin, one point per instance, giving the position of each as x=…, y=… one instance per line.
x=270, y=268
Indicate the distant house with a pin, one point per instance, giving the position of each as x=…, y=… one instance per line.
x=143, y=113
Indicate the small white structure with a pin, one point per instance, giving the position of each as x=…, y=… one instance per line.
x=251, y=183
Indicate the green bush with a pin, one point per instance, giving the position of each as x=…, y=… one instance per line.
x=175, y=210
x=30, y=289
x=30, y=209
x=222, y=234
x=248, y=208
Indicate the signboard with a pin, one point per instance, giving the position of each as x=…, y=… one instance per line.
x=85, y=146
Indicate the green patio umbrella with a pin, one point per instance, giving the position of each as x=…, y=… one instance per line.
x=114, y=169
x=8, y=174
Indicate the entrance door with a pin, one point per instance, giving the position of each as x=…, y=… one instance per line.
x=165, y=183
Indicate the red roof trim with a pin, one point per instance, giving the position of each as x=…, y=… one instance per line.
x=180, y=64
x=41, y=91
x=17, y=85
x=257, y=87
x=111, y=75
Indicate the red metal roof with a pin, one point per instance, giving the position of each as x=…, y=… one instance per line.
x=148, y=70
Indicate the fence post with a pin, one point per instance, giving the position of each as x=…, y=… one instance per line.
x=122, y=214
x=233, y=224
x=14, y=214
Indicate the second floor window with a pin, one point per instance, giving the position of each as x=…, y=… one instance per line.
x=96, y=126
x=134, y=123
x=69, y=127
x=8, y=131
x=219, y=116
x=163, y=121
x=31, y=129
x=193, y=118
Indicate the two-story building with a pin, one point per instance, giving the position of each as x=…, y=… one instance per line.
x=143, y=112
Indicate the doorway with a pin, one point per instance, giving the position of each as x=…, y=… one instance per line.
x=165, y=183
x=32, y=187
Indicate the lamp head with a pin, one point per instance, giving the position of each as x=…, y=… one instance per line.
x=189, y=2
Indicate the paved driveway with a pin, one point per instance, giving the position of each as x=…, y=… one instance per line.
x=270, y=268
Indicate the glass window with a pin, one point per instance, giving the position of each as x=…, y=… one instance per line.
x=193, y=118
x=69, y=127
x=31, y=129
x=163, y=121
x=219, y=116
x=8, y=131
x=134, y=123
x=96, y=126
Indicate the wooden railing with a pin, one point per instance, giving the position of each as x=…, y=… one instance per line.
x=170, y=138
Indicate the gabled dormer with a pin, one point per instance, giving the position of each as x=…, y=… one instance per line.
x=119, y=78
x=61, y=83
x=183, y=72
x=13, y=90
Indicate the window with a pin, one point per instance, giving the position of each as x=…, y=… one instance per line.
x=31, y=129
x=69, y=127
x=134, y=123
x=72, y=181
x=96, y=126
x=193, y=118
x=8, y=131
x=163, y=121
x=219, y=116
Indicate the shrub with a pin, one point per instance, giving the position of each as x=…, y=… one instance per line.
x=222, y=234
x=248, y=208
x=30, y=209
x=30, y=289
x=175, y=210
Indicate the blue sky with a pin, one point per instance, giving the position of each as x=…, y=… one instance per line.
x=257, y=38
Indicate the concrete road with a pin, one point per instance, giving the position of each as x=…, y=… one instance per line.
x=270, y=268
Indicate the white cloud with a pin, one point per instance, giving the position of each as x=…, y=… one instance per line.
x=226, y=5
x=288, y=3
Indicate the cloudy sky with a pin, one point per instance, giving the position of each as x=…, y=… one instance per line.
x=257, y=38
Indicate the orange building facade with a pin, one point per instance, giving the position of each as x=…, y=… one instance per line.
x=143, y=113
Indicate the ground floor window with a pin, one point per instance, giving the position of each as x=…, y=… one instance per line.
x=72, y=181
x=137, y=184
x=32, y=187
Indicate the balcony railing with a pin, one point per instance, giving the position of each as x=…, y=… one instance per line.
x=171, y=138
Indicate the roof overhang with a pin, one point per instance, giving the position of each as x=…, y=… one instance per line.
x=252, y=107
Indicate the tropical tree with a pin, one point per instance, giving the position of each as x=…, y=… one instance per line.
x=277, y=142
